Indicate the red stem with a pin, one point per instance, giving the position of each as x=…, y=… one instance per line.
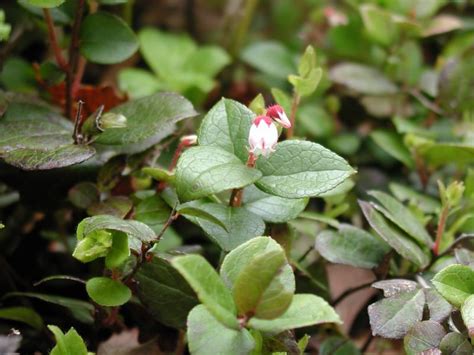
x=294, y=108
x=73, y=58
x=177, y=153
x=236, y=195
x=439, y=232
x=53, y=40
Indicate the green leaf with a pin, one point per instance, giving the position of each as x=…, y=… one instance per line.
x=205, y=333
x=437, y=154
x=379, y=24
x=95, y=245
x=81, y=310
x=203, y=171
x=455, y=283
x=467, y=311
x=199, y=211
x=439, y=308
x=455, y=344
x=22, y=314
x=392, y=144
x=362, y=79
x=306, y=86
x=237, y=268
x=207, y=60
x=301, y=169
x=149, y=120
x=83, y=194
x=164, y=292
x=18, y=75
x=307, y=61
x=402, y=217
x=424, y=336
x=45, y=3
x=137, y=232
x=33, y=145
x=177, y=60
x=426, y=203
x=153, y=211
x=70, y=343
x=117, y=206
x=227, y=126
x=397, y=240
x=119, y=251
x=164, y=52
x=209, y=287
x=393, y=317
x=272, y=208
x=395, y=286
x=305, y=310
x=257, y=105
x=240, y=224
x=270, y=57
x=456, y=80
x=108, y=292
x=138, y=82
x=159, y=174
x=351, y=246
x=253, y=281
x=106, y=39
x=112, y=2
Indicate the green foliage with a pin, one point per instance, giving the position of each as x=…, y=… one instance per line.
x=22, y=314
x=67, y=344
x=244, y=296
x=351, y=246
x=204, y=171
x=108, y=292
x=189, y=238
x=302, y=169
x=455, y=283
x=178, y=64
x=45, y=3
x=107, y=39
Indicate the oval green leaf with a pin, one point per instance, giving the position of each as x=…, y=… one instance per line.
x=455, y=283
x=203, y=171
x=301, y=169
x=209, y=287
x=106, y=39
x=108, y=292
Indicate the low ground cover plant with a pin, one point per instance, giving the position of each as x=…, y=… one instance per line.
x=301, y=183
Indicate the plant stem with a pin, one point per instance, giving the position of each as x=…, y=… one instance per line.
x=53, y=40
x=439, y=232
x=181, y=343
x=143, y=258
x=349, y=292
x=236, y=195
x=184, y=143
x=73, y=58
x=76, y=135
x=294, y=108
x=127, y=13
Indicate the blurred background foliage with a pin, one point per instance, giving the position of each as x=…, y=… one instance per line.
x=396, y=99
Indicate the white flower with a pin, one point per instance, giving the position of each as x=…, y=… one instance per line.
x=278, y=114
x=263, y=136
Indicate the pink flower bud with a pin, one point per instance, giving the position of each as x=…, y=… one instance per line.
x=278, y=114
x=263, y=136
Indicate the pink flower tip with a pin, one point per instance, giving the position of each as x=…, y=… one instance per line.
x=278, y=114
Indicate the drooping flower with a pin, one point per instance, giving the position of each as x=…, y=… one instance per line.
x=263, y=136
x=278, y=114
